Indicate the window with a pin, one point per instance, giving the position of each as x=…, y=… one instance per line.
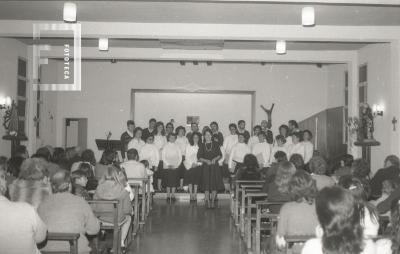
x=22, y=98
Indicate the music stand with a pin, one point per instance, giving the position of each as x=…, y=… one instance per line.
x=107, y=144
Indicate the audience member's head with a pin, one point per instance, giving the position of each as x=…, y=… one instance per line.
x=145, y=163
x=280, y=156
x=87, y=168
x=250, y=162
x=307, y=135
x=88, y=156
x=14, y=166
x=339, y=217
x=388, y=186
x=132, y=154
x=107, y=157
x=79, y=177
x=72, y=154
x=34, y=169
x=360, y=168
x=43, y=153
x=282, y=178
x=3, y=182
x=3, y=163
x=347, y=160
x=318, y=165
x=297, y=160
x=130, y=125
x=21, y=151
x=302, y=187
x=116, y=174
x=360, y=189
x=392, y=160
x=58, y=155
x=61, y=182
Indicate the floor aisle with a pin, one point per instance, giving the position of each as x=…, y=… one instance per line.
x=184, y=228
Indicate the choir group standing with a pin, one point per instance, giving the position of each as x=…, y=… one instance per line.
x=200, y=160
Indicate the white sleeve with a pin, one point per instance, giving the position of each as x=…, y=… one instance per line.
x=231, y=155
x=163, y=158
x=180, y=157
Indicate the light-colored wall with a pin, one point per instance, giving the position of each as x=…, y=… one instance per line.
x=336, y=83
x=378, y=59
x=105, y=95
x=10, y=50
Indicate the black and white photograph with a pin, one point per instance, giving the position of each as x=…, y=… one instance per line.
x=200, y=127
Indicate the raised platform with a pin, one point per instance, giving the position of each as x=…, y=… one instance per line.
x=186, y=196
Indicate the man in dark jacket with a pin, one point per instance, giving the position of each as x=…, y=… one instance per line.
x=126, y=137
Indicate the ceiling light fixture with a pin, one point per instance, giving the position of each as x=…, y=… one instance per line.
x=281, y=47
x=69, y=12
x=308, y=16
x=103, y=44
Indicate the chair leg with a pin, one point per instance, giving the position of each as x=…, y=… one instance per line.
x=116, y=240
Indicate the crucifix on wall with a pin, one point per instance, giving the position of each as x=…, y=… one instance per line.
x=394, y=122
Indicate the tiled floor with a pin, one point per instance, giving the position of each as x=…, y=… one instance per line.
x=188, y=229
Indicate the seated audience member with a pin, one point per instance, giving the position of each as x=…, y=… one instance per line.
x=390, y=170
x=32, y=185
x=59, y=157
x=13, y=168
x=345, y=166
x=86, y=157
x=318, y=169
x=297, y=161
x=113, y=188
x=254, y=139
x=133, y=168
x=368, y=215
x=79, y=181
x=107, y=158
x=3, y=163
x=242, y=130
x=87, y=168
x=308, y=146
x=237, y=153
x=296, y=146
x=21, y=227
x=339, y=217
x=302, y=192
x=66, y=213
x=388, y=187
x=278, y=190
x=279, y=146
x=361, y=169
x=262, y=150
x=72, y=154
x=249, y=170
x=45, y=154
x=22, y=152
x=137, y=142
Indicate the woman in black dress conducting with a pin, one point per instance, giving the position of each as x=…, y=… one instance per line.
x=209, y=154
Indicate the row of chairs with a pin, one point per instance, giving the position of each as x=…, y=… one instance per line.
x=141, y=204
x=255, y=217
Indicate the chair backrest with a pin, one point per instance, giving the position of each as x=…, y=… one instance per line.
x=267, y=207
x=71, y=238
x=104, y=208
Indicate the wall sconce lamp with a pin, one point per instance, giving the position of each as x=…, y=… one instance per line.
x=377, y=110
x=5, y=102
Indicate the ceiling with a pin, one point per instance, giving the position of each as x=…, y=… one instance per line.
x=202, y=45
x=202, y=12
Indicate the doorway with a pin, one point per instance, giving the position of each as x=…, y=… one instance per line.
x=76, y=132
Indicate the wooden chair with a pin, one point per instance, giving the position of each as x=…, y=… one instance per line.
x=296, y=239
x=136, y=205
x=266, y=220
x=144, y=184
x=251, y=213
x=115, y=226
x=243, y=189
x=71, y=238
x=235, y=199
